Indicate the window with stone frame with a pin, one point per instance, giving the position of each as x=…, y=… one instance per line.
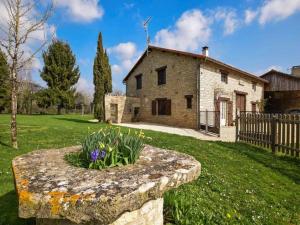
x=189, y=101
x=224, y=77
x=163, y=106
x=161, y=75
x=138, y=81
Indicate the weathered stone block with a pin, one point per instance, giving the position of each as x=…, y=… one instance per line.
x=56, y=193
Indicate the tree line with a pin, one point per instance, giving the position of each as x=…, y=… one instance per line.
x=60, y=71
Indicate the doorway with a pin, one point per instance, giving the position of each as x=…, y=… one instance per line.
x=114, y=113
x=240, y=103
x=223, y=113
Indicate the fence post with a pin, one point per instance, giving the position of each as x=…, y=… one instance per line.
x=273, y=133
x=206, y=121
x=236, y=128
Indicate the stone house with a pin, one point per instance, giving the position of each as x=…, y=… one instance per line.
x=184, y=89
x=283, y=91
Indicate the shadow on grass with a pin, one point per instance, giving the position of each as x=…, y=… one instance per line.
x=4, y=144
x=9, y=211
x=73, y=120
x=285, y=165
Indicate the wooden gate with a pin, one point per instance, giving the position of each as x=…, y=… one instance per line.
x=279, y=132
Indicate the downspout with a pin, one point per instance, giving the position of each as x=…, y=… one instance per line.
x=198, y=96
x=199, y=93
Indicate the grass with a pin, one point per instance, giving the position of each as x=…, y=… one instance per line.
x=239, y=183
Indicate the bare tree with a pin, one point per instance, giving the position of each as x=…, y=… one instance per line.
x=24, y=19
x=118, y=92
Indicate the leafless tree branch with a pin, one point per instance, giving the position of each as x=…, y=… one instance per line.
x=24, y=19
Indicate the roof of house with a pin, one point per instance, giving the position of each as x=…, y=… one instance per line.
x=286, y=75
x=199, y=56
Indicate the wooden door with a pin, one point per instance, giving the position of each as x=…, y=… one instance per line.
x=240, y=103
x=114, y=113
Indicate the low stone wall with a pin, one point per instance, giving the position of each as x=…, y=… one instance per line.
x=228, y=133
x=125, y=107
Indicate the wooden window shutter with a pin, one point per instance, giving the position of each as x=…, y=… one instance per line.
x=217, y=105
x=217, y=113
x=230, y=113
x=253, y=107
x=154, y=107
x=168, y=107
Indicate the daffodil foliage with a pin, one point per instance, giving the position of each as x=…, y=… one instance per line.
x=109, y=147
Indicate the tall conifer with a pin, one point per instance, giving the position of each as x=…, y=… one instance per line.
x=99, y=80
x=60, y=73
x=108, y=78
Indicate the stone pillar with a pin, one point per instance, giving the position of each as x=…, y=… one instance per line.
x=151, y=213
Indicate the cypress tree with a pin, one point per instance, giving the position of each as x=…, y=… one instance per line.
x=99, y=72
x=108, y=78
x=4, y=82
x=60, y=73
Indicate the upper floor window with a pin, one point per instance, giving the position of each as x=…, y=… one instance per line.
x=138, y=81
x=161, y=75
x=254, y=86
x=224, y=77
x=189, y=99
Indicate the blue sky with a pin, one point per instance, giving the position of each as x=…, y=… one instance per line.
x=249, y=34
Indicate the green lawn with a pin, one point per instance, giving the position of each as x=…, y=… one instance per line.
x=239, y=184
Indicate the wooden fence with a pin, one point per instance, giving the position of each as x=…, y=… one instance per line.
x=280, y=132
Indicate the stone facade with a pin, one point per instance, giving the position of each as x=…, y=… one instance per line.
x=181, y=80
x=187, y=75
x=212, y=88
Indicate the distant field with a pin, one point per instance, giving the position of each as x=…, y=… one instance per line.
x=239, y=184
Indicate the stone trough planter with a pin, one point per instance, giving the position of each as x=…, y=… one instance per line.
x=55, y=192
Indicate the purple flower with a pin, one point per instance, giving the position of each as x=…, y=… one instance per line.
x=95, y=155
x=103, y=154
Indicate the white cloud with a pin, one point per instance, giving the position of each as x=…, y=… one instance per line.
x=81, y=10
x=250, y=16
x=116, y=69
x=272, y=10
x=275, y=10
x=85, y=86
x=190, y=32
x=125, y=56
x=123, y=51
x=230, y=19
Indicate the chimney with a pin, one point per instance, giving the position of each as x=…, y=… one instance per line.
x=205, y=51
x=296, y=71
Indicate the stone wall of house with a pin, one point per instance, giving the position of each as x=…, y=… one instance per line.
x=181, y=80
x=183, y=74
x=211, y=87
x=125, y=107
